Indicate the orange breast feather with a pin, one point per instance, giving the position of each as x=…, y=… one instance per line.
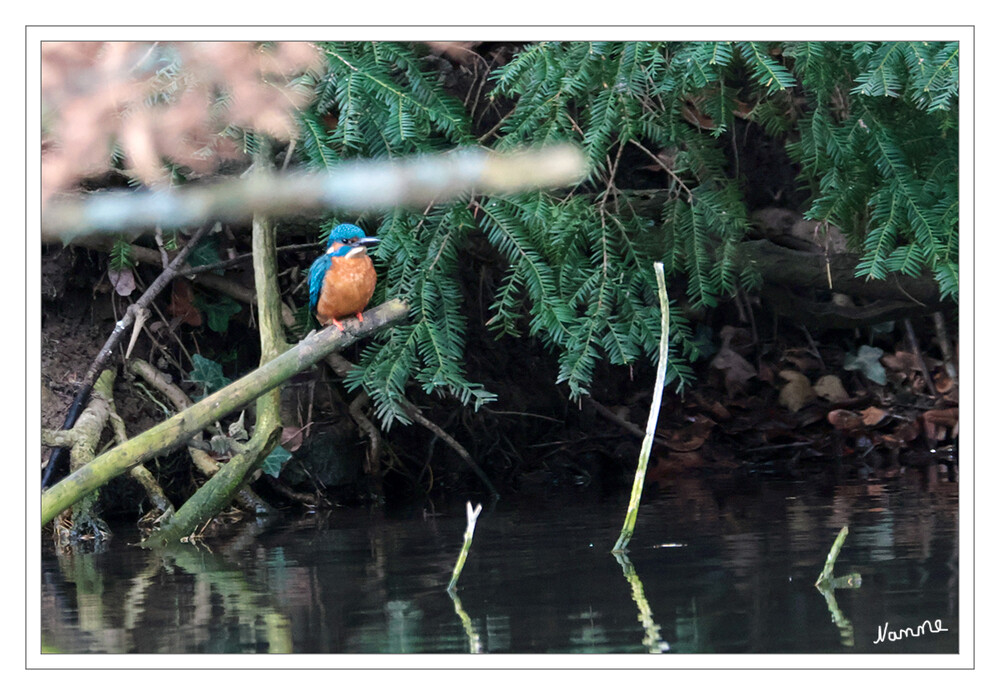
x=347, y=288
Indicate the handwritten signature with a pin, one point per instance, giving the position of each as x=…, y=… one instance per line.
x=885, y=633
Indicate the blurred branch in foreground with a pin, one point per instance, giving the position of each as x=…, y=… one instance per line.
x=352, y=187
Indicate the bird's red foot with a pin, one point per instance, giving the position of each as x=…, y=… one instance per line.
x=361, y=319
x=338, y=324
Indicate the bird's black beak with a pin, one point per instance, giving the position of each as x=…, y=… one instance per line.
x=365, y=241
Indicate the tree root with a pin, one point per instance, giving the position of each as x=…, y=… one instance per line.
x=81, y=523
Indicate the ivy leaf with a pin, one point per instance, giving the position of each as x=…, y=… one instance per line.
x=275, y=460
x=219, y=311
x=208, y=374
x=205, y=253
x=867, y=361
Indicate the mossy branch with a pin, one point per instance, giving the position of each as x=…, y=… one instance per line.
x=172, y=433
x=206, y=465
x=212, y=497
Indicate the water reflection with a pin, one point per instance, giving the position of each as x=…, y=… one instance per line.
x=713, y=567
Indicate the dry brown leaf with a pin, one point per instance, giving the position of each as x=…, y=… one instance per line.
x=123, y=281
x=845, y=420
x=718, y=411
x=873, y=416
x=831, y=388
x=797, y=392
x=737, y=370
x=940, y=420
x=691, y=437
x=182, y=303
x=943, y=383
x=905, y=362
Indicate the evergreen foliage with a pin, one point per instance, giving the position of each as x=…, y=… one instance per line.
x=879, y=145
x=874, y=127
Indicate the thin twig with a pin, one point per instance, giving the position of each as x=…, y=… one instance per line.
x=665, y=168
x=246, y=258
x=609, y=414
x=412, y=412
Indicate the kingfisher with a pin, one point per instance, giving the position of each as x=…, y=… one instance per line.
x=342, y=280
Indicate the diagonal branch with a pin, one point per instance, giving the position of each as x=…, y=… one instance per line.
x=174, y=432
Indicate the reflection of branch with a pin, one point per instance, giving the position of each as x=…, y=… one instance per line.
x=228, y=581
x=839, y=619
x=475, y=643
x=652, y=640
x=353, y=187
x=826, y=585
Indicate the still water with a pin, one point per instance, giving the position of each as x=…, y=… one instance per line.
x=714, y=567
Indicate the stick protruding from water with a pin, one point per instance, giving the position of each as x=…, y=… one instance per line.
x=471, y=515
x=654, y=413
x=827, y=574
